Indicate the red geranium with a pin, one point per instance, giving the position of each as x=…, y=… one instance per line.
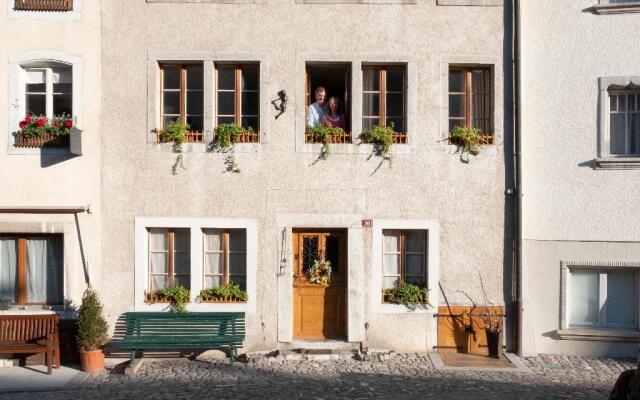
x=56, y=124
x=27, y=119
x=68, y=123
x=41, y=121
x=23, y=124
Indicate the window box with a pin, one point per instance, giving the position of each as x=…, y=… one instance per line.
x=386, y=295
x=190, y=137
x=397, y=138
x=40, y=141
x=43, y=5
x=249, y=137
x=227, y=299
x=154, y=297
x=345, y=137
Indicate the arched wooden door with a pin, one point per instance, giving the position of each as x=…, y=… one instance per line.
x=319, y=311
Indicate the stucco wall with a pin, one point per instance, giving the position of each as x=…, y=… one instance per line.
x=426, y=182
x=46, y=180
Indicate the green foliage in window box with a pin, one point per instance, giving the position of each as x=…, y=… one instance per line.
x=382, y=138
x=408, y=294
x=324, y=134
x=178, y=295
x=467, y=140
x=92, y=328
x=32, y=125
x=229, y=291
x=226, y=136
x=176, y=133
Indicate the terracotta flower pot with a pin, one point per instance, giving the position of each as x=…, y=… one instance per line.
x=92, y=361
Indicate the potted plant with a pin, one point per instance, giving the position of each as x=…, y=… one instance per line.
x=408, y=294
x=178, y=296
x=5, y=302
x=92, y=332
x=227, y=293
x=493, y=328
x=468, y=141
x=175, y=133
x=39, y=131
x=320, y=272
x=226, y=135
x=382, y=138
x=323, y=134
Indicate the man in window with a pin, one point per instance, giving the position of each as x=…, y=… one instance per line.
x=316, y=111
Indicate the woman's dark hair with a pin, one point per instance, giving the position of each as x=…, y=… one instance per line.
x=338, y=104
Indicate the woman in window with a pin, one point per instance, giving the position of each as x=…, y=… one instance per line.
x=332, y=119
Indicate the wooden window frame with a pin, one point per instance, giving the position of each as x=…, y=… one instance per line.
x=21, y=261
x=397, y=137
x=226, y=252
x=43, y=5
x=402, y=252
x=254, y=136
x=191, y=136
x=487, y=136
x=170, y=251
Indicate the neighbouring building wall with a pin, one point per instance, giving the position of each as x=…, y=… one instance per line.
x=45, y=178
x=579, y=214
x=283, y=185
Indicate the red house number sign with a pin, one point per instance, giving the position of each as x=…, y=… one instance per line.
x=367, y=223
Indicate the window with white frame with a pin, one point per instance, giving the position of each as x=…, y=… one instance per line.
x=169, y=258
x=404, y=258
x=48, y=89
x=225, y=257
x=603, y=298
x=624, y=121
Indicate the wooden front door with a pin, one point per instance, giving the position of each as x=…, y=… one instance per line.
x=319, y=311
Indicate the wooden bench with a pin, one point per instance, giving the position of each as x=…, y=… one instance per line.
x=26, y=334
x=192, y=330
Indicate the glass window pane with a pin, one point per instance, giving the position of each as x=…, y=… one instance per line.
x=171, y=78
x=226, y=120
x=213, y=240
x=416, y=280
x=158, y=263
x=395, y=80
x=391, y=242
x=613, y=103
x=62, y=104
x=634, y=133
x=395, y=104
x=250, y=78
x=456, y=81
x=398, y=124
x=195, y=123
x=456, y=105
x=226, y=79
x=36, y=104
x=212, y=281
x=157, y=239
x=226, y=103
x=617, y=134
x=239, y=280
x=194, y=103
x=389, y=282
x=194, y=77
x=251, y=122
x=8, y=268
x=371, y=104
x=184, y=280
x=621, y=303
x=171, y=103
x=181, y=240
x=391, y=264
x=631, y=104
x=213, y=263
x=166, y=120
x=44, y=270
x=415, y=241
x=453, y=123
x=238, y=240
x=35, y=76
x=250, y=103
x=584, y=297
x=159, y=282
x=36, y=88
x=62, y=76
x=622, y=103
x=414, y=264
x=181, y=263
x=371, y=79
x=237, y=263
x=368, y=123
x=62, y=88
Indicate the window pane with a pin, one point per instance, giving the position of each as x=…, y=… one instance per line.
x=226, y=120
x=391, y=264
x=613, y=103
x=310, y=250
x=239, y=280
x=371, y=104
x=631, y=104
x=250, y=101
x=36, y=88
x=621, y=301
x=618, y=137
x=456, y=81
x=62, y=76
x=226, y=105
x=181, y=240
x=213, y=263
x=395, y=106
x=237, y=240
x=368, y=123
x=416, y=280
x=453, y=123
x=414, y=264
x=391, y=242
x=194, y=77
x=8, y=268
x=157, y=239
x=250, y=79
x=184, y=280
x=415, y=241
x=159, y=282
x=371, y=79
x=171, y=103
x=398, y=124
x=389, y=282
x=584, y=297
x=212, y=281
x=36, y=104
x=35, y=76
x=213, y=240
x=226, y=79
x=62, y=104
x=158, y=263
x=195, y=123
x=456, y=105
x=181, y=263
x=633, y=131
x=166, y=120
x=395, y=80
x=194, y=103
x=44, y=270
x=62, y=88
x=251, y=122
x=237, y=263
x=171, y=78
x=622, y=103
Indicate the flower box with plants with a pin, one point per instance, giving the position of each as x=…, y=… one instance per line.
x=382, y=137
x=326, y=135
x=92, y=332
x=225, y=136
x=177, y=296
x=39, y=131
x=227, y=293
x=468, y=141
x=407, y=294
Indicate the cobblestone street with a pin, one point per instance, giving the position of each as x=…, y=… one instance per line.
x=403, y=376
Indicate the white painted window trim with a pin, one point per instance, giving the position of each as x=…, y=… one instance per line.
x=196, y=226
x=356, y=61
x=495, y=65
x=210, y=1
x=568, y=331
x=17, y=97
x=208, y=59
x=605, y=159
x=605, y=7
x=76, y=14
x=489, y=3
x=433, y=264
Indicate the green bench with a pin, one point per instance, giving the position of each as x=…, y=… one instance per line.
x=192, y=330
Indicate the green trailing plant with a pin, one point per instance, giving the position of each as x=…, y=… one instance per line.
x=408, y=294
x=382, y=138
x=92, y=328
x=467, y=140
x=320, y=272
x=226, y=136
x=324, y=134
x=227, y=291
x=176, y=132
x=178, y=295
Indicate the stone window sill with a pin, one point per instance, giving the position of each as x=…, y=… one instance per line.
x=601, y=335
x=491, y=3
x=618, y=8
x=356, y=1
x=618, y=163
x=209, y=1
x=204, y=147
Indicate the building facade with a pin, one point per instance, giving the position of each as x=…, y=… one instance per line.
x=580, y=146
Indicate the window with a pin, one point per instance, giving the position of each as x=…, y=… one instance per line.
x=335, y=78
x=607, y=299
x=624, y=122
x=470, y=100
x=238, y=98
x=383, y=98
x=48, y=89
x=183, y=97
x=169, y=258
x=404, y=257
x=43, y=5
x=225, y=257
x=31, y=269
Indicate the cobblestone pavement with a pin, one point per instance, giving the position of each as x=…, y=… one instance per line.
x=402, y=376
